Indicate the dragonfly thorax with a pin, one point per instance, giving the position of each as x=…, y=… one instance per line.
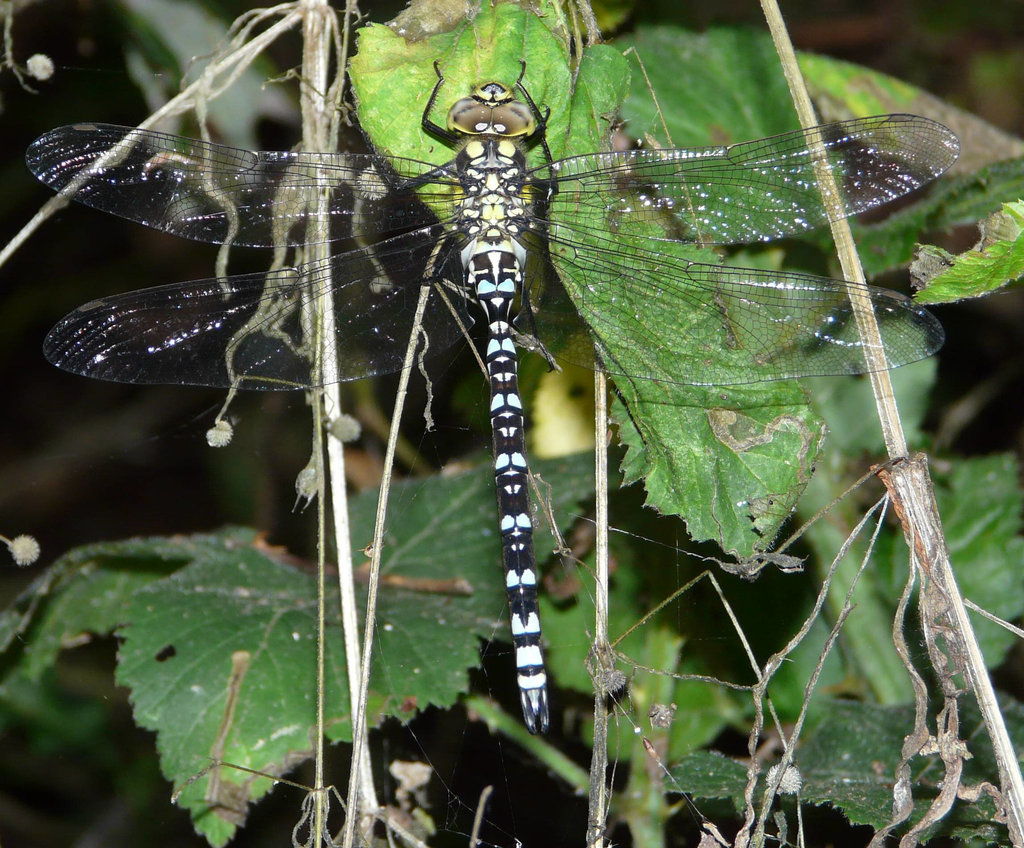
x=494, y=202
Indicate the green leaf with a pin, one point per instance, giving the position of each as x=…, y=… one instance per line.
x=205, y=617
x=730, y=462
x=734, y=484
x=980, y=501
x=708, y=774
x=841, y=89
x=849, y=759
x=82, y=594
x=218, y=658
x=733, y=469
x=699, y=86
x=849, y=762
x=842, y=403
x=393, y=78
x=997, y=262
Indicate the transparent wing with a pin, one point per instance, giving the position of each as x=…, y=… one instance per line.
x=661, y=317
x=250, y=330
x=752, y=191
x=684, y=322
x=214, y=193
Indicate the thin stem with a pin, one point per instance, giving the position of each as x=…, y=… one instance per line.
x=601, y=653
x=359, y=727
x=316, y=136
x=853, y=272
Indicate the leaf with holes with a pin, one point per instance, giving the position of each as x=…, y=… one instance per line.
x=218, y=630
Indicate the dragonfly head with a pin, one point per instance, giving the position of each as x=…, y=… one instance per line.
x=492, y=110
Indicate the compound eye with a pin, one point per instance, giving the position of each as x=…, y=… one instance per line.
x=469, y=116
x=516, y=117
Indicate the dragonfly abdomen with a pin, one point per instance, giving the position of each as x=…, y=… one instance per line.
x=495, y=272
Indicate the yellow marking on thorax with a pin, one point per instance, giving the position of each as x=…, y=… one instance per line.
x=493, y=212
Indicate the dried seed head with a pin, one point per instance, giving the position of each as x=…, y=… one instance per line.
x=24, y=549
x=39, y=66
x=661, y=715
x=346, y=429
x=219, y=435
x=791, y=781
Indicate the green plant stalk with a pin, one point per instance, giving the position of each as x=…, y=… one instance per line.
x=642, y=803
x=545, y=753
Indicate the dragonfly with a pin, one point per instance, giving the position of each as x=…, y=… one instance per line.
x=490, y=235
